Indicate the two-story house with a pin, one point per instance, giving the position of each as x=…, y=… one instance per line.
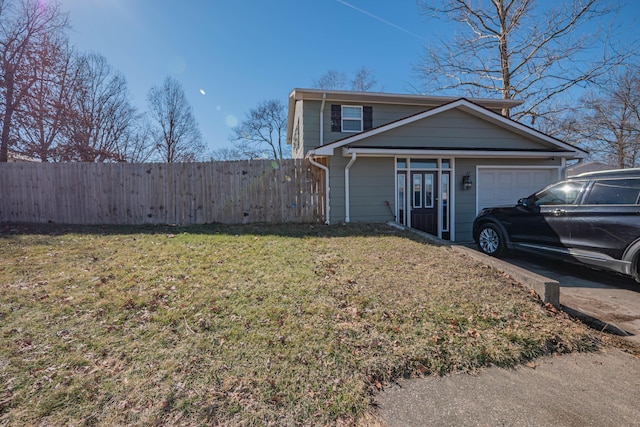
x=426, y=162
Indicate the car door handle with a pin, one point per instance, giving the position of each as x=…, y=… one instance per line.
x=558, y=212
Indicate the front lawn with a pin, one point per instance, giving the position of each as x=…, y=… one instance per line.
x=279, y=325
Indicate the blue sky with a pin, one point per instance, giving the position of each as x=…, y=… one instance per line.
x=241, y=52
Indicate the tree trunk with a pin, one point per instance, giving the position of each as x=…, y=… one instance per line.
x=8, y=114
x=504, y=55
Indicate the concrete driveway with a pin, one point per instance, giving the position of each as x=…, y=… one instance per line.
x=575, y=390
x=608, y=301
x=605, y=300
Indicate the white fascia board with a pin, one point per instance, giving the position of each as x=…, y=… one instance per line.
x=325, y=150
x=386, y=152
x=394, y=98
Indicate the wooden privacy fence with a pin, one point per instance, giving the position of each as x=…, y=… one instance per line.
x=236, y=192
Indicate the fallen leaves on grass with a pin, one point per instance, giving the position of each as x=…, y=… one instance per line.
x=291, y=325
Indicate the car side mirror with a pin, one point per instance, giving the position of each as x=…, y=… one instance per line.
x=523, y=202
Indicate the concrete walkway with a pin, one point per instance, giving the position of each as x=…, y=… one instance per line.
x=594, y=389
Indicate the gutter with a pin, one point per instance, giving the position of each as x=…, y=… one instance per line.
x=347, y=203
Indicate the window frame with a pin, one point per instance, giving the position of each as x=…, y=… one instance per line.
x=599, y=185
x=352, y=119
x=535, y=200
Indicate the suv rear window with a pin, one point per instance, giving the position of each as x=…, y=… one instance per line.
x=614, y=192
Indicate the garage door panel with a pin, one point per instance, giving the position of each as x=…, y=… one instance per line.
x=504, y=186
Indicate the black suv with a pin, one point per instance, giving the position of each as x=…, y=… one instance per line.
x=592, y=218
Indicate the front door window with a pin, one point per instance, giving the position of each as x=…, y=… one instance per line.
x=402, y=203
x=417, y=190
x=424, y=194
x=428, y=190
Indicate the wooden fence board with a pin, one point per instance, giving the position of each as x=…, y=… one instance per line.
x=237, y=192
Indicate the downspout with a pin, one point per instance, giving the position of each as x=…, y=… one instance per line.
x=347, y=204
x=324, y=97
x=563, y=168
x=311, y=157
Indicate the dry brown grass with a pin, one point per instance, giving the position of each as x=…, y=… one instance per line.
x=272, y=325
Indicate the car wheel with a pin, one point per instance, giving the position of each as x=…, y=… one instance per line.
x=490, y=240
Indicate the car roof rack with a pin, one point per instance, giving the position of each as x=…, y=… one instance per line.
x=610, y=173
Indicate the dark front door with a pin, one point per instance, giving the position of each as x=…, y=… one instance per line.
x=424, y=202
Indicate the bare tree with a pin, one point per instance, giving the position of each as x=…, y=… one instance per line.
x=263, y=132
x=175, y=131
x=518, y=50
x=24, y=25
x=137, y=144
x=331, y=80
x=609, y=122
x=46, y=109
x=363, y=80
x=102, y=113
x=227, y=154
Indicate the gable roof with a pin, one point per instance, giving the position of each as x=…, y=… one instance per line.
x=468, y=107
x=343, y=96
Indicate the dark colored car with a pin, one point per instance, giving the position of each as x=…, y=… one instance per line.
x=592, y=218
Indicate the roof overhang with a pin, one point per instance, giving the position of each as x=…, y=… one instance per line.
x=393, y=98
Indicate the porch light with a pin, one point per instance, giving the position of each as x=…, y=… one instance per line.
x=466, y=181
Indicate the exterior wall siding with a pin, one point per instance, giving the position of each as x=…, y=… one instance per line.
x=336, y=183
x=452, y=128
x=311, y=118
x=382, y=114
x=371, y=185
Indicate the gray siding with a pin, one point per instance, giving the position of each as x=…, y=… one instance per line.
x=453, y=128
x=465, y=201
x=372, y=184
x=382, y=115
x=311, y=114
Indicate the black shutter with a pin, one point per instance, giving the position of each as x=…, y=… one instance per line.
x=336, y=118
x=367, y=118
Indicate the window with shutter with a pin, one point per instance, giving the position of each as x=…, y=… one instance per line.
x=351, y=118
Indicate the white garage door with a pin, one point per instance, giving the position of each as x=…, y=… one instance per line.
x=503, y=187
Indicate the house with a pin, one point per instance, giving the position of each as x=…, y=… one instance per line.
x=426, y=162
x=584, y=167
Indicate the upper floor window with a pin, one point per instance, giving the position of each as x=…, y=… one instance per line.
x=351, y=118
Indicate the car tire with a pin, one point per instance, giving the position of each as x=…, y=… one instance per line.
x=490, y=240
